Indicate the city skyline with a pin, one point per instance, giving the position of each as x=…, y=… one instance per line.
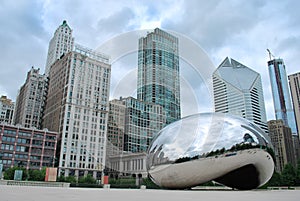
x=245, y=34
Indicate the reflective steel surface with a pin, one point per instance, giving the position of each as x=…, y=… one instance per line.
x=211, y=146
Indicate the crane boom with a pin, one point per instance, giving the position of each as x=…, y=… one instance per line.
x=270, y=54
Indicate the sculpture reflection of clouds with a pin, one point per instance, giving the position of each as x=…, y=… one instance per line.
x=202, y=136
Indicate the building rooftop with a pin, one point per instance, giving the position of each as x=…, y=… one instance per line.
x=236, y=74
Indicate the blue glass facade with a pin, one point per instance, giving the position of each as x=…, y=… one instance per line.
x=281, y=94
x=158, y=72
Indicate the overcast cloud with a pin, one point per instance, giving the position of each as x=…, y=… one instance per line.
x=239, y=29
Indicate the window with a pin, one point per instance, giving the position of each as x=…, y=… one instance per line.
x=8, y=139
x=25, y=156
x=37, y=142
x=23, y=141
x=21, y=148
x=21, y=133
x=7, y=147
x=9, y=132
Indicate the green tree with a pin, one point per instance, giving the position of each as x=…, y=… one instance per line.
x=288, y=175
x=149, y=183
x=71, y=179
x=10, y=172
x=37, y=175
x=61, y=179
x=88, y=179
x=275, y=179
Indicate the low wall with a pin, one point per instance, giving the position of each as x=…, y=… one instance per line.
x=211, y=188
x=34, y=183
x=284, y=188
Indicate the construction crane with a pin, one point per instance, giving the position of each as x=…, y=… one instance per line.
x=270, y=54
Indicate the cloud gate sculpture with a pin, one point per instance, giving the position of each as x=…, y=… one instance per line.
x=211, y=146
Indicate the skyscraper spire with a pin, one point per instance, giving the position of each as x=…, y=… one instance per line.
x=61, y=43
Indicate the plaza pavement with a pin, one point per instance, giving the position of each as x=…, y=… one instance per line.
x=26, y=193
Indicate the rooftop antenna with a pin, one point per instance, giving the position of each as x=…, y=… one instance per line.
x=270, y=54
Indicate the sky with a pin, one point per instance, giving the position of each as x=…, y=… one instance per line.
x=239, y=29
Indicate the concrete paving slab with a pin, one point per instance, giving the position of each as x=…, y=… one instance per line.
x=26, y=193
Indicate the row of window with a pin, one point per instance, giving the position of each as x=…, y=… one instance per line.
x=25, y=134
x=25, y=156
x=10, y=147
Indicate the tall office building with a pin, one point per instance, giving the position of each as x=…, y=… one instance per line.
x=6, y=110
x=238, y=90
x=31, y=100
x=294, y=81
x=61, y=43
x=142, y=121
x=281, y=94
x=281, y=138
x=158, y=72
x=116, y=127
x=134, y=123
x=77, y=108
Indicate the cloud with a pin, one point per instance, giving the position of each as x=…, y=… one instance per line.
x=242, y=30
x=124, y=77
x=214, y=23
x=22, y=43
x=117, y=22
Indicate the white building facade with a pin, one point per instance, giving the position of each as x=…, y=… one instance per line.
x=77, y=109
x=128, y=164
x=61, y=43
x=238, y=91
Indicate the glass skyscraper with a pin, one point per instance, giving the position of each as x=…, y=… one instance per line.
x=238, y=90
x=132, y=123
x=158, y=72
x=281, y=94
